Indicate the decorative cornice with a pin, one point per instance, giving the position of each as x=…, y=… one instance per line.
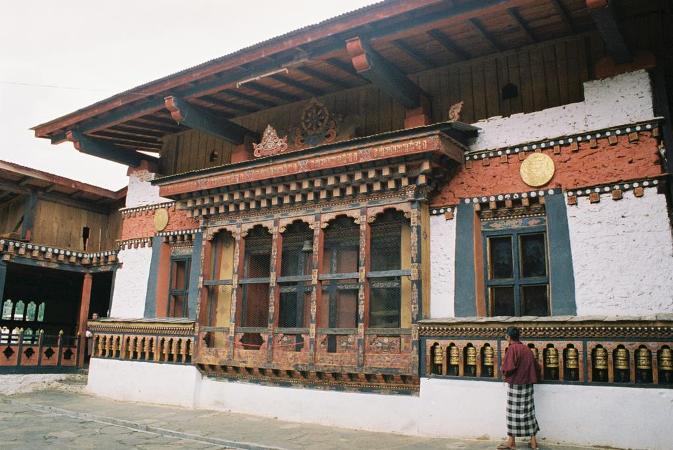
x=146, y=208
x=573, y=140
x=615, y=190
x=134, y=243
x=146, y=327
x=660, y=327
x=11, y=248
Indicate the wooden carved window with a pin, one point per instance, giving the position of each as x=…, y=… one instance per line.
x=339, y=274
x=219, y=284
x=389, y=284
x=179, y=287
x=255, y=278
x=516, y=272
x=295, y=276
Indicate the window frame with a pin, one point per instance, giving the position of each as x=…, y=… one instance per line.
x=184, y=292
x=517, y=281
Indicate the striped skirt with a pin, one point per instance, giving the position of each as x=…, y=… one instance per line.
x=521, y=421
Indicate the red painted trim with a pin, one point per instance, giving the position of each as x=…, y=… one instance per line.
x=173, y=108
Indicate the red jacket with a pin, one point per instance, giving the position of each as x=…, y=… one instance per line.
x=519, y=365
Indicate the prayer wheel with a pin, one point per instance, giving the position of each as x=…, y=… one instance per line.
x=454, y=360
x=601, y=358
x=551, y=363
x=643, y=365
x=621, y=356
x=666, y=365
x=536, y=353
x=470, y=360
x=437, y=359
x=487, y=361
x=571, y=364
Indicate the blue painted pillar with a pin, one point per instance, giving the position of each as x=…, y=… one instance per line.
x=194, y=274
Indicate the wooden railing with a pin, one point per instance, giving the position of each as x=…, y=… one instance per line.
x=598, y=351
x=149, y=340
x=40, y=352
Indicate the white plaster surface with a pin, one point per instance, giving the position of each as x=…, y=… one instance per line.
x=622, y=255
x=130, y=286
x=19, y=384
x=442, y=266
x=582, y=415
x=619, y=100
x=141, y=192
x=165, y=384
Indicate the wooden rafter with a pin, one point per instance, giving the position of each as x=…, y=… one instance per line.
x=298, y=85
x=486, y=35
x=102, y=149
x=260, y=102
x=323, y=77
x=414, y=54
x=605, y=17
x=448, y=44
x=565, y=17
x=201, y=119
x=523, y=26
x=259, y=87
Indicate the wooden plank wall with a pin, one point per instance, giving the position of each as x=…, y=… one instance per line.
x=61, y=226
x=546, y=74
x=10, y=215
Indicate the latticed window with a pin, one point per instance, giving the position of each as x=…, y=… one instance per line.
x=179, y=287
x=219, y=283
x=254, y=311
x=295, y=276
x=339, y=275
x=517, y=280
x=388, y=273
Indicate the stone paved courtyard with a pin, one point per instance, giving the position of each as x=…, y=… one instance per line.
x=62, y=417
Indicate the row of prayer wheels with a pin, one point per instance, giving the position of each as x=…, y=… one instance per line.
x=568, y=359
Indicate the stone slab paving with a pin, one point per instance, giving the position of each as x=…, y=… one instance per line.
x=65, y=420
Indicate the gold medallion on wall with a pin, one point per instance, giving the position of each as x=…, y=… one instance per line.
x=160, y=219
x=537, y=169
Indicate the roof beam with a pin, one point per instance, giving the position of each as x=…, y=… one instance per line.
x=448, y=44
x=249, y=98
x=605, y=17
x=201, y=119
x=368, y=63
x=523, y=26
x=101, y=149
x=415, y=55
x=298, y=85
x=271, y=91
x=95, y=206
x=323, y=77
x=485, y=35
x=232, y=106
x=565, y=18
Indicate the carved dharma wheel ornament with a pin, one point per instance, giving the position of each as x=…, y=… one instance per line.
x=537, y=169
x=160, y=219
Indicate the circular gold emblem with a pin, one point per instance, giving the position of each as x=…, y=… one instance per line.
x=160, y=219
x=537, y=169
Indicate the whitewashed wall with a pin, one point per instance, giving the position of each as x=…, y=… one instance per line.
x=140, y=190
x=581, y=415
x=622, y=255
x=619, y=100
x=130, y=286
x=442, y=264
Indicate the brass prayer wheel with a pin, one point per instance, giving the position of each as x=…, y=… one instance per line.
x=621, y=359
x=471, y=356
x=536, y=354
x=600, y=358
x=643, y=359
x=572, y=358
x=488, y=356
x=454, y=356
x=666, y=360
x=438, y=356
x=551, y=358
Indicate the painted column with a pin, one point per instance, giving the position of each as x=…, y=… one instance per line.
x=238, y=248
x=3, y=278
x=84, y=316
x=274, y=292
x=316, y=290
x=416, y=242
x=363, y=292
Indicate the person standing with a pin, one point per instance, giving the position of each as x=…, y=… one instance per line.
x=520, y=370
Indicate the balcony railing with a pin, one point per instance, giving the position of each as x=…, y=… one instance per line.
x=570, y=350
x=23, y=351
x=149, y=340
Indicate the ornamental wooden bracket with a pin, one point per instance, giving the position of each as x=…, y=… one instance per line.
x=102, y=149
x=202, y=120
x=371, y=65
x=605, y=17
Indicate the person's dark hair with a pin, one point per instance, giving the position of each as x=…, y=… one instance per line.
x=513, y=332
